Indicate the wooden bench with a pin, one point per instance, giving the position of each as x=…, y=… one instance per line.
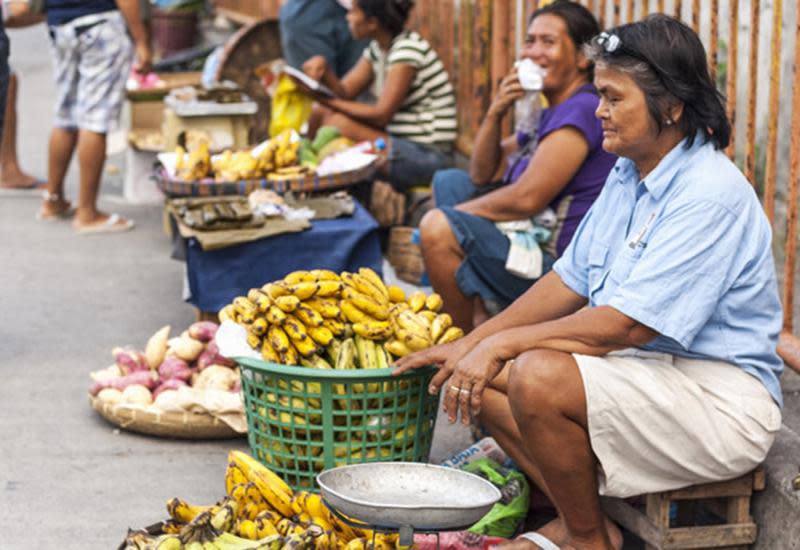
x=713, y=515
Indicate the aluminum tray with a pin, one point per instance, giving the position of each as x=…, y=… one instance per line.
x=408, y=494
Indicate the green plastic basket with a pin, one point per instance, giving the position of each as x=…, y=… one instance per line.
x=304, y=420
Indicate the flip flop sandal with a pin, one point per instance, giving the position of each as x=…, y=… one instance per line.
x=540, y=540
x=113, y=224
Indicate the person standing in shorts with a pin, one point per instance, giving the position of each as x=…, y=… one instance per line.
x=92, y=43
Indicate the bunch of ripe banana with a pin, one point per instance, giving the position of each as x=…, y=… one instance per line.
x=198, y=164
x=279, y=154
x=259, y=511
x=292, y=321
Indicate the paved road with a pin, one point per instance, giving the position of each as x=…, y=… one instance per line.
x=68, y=479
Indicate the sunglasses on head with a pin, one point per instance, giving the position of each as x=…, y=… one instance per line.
x=612, y=43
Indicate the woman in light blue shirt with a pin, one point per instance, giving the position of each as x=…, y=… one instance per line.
x=646, y=360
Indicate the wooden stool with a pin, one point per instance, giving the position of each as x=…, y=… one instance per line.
x=728, y=501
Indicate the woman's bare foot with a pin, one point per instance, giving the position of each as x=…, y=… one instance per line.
x=17, y=179
x=54, y=207
x=556, y=532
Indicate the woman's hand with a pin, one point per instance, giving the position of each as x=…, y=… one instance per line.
x=470, y=377
x=444, y=357
x=509, y=91
x=315, y=67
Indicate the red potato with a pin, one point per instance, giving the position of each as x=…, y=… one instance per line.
x=211, y=356
x=146, y=378
x=171, y=384
x=129, y=360
x=173, y=367
x=203, y=330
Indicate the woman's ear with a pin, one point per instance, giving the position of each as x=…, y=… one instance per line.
x=676, y=111
x=583, y=62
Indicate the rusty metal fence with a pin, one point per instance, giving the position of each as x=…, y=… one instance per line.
x=753, y=49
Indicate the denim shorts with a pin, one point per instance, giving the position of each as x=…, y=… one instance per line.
x=483, y=271
x=412, y=164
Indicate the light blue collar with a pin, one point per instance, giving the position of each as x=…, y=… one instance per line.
x=658, y=181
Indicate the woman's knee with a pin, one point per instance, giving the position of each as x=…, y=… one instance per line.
x=540, y=381
x=434, y=229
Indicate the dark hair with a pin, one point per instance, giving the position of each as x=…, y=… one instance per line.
x=581, y=24
x=668, y=62
x=392, y=14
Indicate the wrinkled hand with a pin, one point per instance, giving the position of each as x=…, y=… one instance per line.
x=315, y=67
x=509, y=91
x=144, y=58
x=444, y=357
x=470, y=377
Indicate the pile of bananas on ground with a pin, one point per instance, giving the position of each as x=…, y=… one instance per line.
x=278, y=158
x=353, y=318
x=259, y=512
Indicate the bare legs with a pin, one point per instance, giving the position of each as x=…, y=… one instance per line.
x=11, y=175
x=543, y=404
x=443, y=256
x=91, y=147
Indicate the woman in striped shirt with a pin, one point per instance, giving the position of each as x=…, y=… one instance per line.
x=415, y=110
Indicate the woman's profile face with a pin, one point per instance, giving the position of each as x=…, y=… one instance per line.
x=628, y=128
x=360, y=25
x=549, y=45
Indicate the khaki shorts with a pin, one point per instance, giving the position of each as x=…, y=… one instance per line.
x=659, y=422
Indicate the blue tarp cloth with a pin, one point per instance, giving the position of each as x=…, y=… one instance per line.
x=343, y=244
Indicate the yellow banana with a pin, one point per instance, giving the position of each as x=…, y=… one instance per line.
x=234, y=476
x=397, y=348
x=321, y=335
x=303, y=290
x=353, y=314
x=375, y=280
x=254, y=340
x=434, y=302
x=274, y=290
x=224, y=517
x=440, y=324
x=416, y=301
x=265, y=528
x=305, y=348
x=396, y=294
x=309, y=316
x=358, y=543
x=290, y=356
x=275, y=491
x=295, y=328
x=249, y=511
x=259, y=326
x=366, y=304
x=247, y=528
x=453, y=333
x=245, y=308
x=252, y=494
x=263, y=302
x=336, y=327
x=366, y=287
x=253, y=295
x=180, y=510
x=427, y=315
x=412, y=323
x=268, y=353
x=279, y=339
x=413, y=340
x=287, y=303
x=325, y=275
x=275, y=315
x=227, y=313
x=376, y=330
x=326, y=307
x=269, y=515
x=328, y=288
x=299, y=277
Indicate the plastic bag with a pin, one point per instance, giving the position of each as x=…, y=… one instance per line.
x=455, y=540
x=505, y=517
x=290, y=107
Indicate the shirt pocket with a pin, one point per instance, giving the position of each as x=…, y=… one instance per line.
x=624, y=262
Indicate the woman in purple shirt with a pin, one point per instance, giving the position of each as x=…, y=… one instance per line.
x=562, y=167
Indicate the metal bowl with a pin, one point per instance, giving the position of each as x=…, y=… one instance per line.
x=408, y=494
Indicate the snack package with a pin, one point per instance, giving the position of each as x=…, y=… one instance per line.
x=290, y=107
x=507, y=515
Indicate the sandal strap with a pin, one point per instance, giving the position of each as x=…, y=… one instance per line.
x=52, y=197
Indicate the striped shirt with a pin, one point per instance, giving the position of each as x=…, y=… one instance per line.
x=428, y=114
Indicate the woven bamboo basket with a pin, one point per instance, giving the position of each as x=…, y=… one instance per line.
x=405, y=255
x=172, y=424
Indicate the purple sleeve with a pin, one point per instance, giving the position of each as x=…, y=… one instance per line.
x=578, y=112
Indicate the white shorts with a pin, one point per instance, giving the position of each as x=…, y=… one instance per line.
x=92, y=56
x=659, y=422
